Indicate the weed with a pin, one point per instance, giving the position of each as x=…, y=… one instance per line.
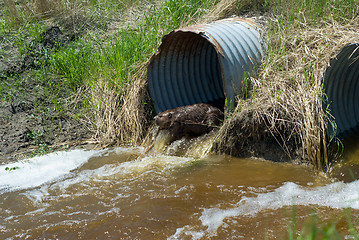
x=38, y=139
x=36, y=136
x=11, y=169
x=316, y=228
x=42, y=149
x=73, y=63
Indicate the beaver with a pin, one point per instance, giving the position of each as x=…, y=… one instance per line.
x=191, y=121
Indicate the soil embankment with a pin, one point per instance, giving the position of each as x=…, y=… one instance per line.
x=29, y=123
x=23, y=134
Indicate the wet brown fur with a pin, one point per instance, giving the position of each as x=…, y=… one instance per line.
x=192, y=120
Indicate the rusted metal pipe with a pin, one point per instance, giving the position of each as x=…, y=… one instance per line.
x=205, y=64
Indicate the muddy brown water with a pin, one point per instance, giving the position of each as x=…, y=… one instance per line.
x=177, y=193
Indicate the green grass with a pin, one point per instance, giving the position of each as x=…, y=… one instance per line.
x=315, y=228
x=73, y=63
x=315, y=11
x=118, y=59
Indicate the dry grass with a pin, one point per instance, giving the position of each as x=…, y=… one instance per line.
x=221, y=9
x=38, y=9
x=46, y=8
x=104, y=119
x=135, y=111
x=14, y=16
x=227, y=8
x=287, y=106
x=121, y=113
x=73, y=16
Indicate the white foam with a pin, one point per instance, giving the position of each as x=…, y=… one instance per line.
x=161, y=163
x=187, y=232
x=39, y=170
x=336, y=195
x=129, y=170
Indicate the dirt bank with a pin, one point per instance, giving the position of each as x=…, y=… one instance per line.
x=24, y=134
x=29, y=122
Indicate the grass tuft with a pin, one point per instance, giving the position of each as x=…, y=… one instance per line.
x=287, y=108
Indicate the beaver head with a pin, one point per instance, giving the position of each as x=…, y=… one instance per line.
x=164, y=119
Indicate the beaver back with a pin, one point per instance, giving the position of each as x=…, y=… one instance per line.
x=192, y=120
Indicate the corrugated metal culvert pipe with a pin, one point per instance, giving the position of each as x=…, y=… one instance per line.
x=341, y=85
x=204, y=64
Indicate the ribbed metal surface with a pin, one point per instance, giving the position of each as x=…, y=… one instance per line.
x=341, y=84
x=204, y=64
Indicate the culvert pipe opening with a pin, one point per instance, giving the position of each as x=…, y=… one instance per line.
x=341, y=86
x=204, y=64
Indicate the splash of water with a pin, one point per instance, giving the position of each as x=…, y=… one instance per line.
x=39, y=170
x=337, y=195
x=58, y=168
x=198, y=147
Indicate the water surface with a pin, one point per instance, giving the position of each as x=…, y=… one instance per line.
x=125, y=193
